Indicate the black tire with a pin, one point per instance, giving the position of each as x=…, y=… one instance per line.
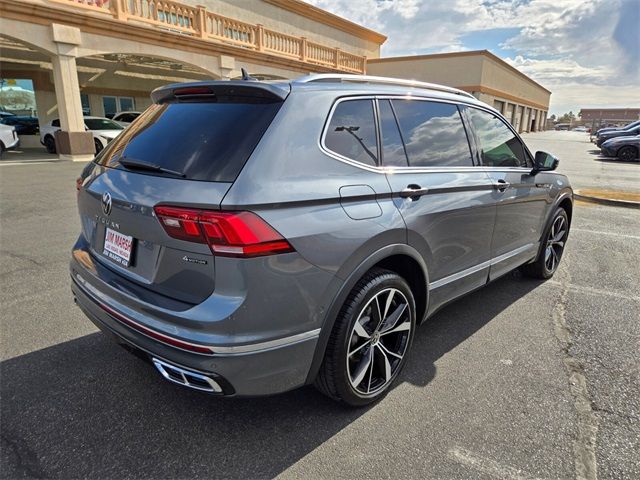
x=628, y=153
x=98, y=145
x=334, y=378
x=544, y=266
x=50, y=144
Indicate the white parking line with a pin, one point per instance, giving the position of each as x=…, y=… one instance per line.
x=598, y=232
x=486, y=465
x=28, y=162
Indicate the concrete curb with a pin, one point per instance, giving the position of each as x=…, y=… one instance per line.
x=606, y=201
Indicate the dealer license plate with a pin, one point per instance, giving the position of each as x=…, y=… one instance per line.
x=118, y=247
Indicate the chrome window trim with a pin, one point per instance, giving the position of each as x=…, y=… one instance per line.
x=391, y=170
x=481, y=266
x=325, y=129
x=504, y=120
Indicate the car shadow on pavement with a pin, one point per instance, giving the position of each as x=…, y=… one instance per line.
x=86, y=408
x=617, y=160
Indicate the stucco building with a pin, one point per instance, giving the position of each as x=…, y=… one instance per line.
x=101, y=56
x=604, y=116
x=520, y=99
x=97, y=57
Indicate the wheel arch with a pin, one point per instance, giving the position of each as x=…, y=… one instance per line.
x=632, y=147
x=400, y=258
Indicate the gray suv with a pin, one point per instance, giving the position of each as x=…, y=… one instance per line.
x=248, y=237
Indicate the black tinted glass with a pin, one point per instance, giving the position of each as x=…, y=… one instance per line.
x=352, y=133
x=392, y=149
x=433, y=134
x=205, y=141
x=101, y=124
x=499, y=147
x=55, y=123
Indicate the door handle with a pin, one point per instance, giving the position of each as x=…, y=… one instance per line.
x=501, y=185
x=413, y=191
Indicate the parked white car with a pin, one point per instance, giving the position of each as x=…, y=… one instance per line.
x=8, y=138
x=125, y=118
x=103, y=130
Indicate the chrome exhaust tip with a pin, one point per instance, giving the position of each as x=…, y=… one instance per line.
x=186, y=378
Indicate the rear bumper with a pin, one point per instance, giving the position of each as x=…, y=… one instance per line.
x=265, y=371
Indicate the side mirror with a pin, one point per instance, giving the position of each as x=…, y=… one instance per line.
x=544, y=162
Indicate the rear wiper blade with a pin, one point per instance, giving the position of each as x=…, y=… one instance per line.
x=134, y=163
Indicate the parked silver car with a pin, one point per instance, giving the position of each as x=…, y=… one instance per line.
x=250, y=237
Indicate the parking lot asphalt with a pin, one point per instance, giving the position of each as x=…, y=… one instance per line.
x=583, y=163
x=522, y=379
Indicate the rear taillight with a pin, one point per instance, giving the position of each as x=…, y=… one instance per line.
x=231, y=234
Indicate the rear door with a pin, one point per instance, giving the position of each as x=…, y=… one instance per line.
x=445, y=201
x=182, y=152
x=521, y=201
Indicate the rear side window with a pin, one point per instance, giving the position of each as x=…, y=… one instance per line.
x=433, y=134
x=205, y=141
x=393, y=154
x=499, y=146
x=352, y=131
x=55, y=123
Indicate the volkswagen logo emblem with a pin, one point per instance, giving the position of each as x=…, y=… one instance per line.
x=106, y=203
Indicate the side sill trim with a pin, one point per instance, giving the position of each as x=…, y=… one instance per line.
x=481, y=266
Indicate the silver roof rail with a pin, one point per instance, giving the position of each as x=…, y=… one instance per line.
x=334, y=77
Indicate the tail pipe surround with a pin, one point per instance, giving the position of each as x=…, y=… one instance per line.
x=186, y=378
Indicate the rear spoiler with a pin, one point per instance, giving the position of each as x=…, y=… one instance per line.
x=195, y=91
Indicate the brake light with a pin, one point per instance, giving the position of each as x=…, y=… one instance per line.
x=230, y=234
x=192, y=91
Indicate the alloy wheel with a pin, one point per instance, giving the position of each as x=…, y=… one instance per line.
x=378, y=341
x=555, y=243
x=627, y=154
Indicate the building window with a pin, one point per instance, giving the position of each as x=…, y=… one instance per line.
x=112, y=105
x=498, y=105
x=86, y=106
x=126, y=104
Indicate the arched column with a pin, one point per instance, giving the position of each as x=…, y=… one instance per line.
x=72, y=141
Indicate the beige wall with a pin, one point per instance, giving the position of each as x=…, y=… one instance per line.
x=499, y=77
x=290, y=23
x=480, y=73
x=444, y=70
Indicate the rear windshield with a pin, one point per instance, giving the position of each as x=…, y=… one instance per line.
x=204, y=141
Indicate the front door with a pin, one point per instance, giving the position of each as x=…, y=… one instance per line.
x=446, y=202
x=520, y=200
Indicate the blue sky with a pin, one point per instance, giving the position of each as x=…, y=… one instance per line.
x=587, y=52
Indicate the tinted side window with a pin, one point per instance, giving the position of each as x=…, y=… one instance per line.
x=499, y=147
x=55, y=123
x=433, y=134
x=393, y=153
x=352, y=133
